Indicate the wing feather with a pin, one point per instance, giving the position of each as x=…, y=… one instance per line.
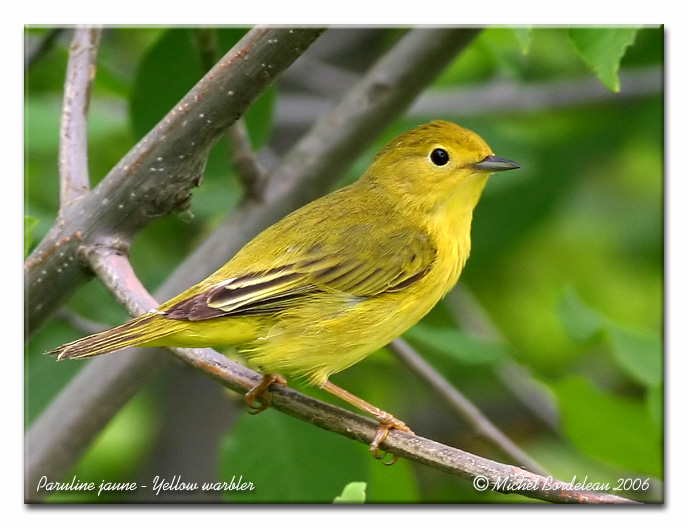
x=353, y=269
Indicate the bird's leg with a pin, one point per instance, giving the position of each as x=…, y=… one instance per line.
x=387, y=421
x=261, y=390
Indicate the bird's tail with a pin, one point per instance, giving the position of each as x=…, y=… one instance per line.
x=141, y=330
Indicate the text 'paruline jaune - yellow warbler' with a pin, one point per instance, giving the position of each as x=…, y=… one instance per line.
x=339, y=278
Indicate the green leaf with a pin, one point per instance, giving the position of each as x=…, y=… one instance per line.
x=29, y=224
x=289, y=461
x=457, y=345
x=524, y=37
x=602, y=50
x=353, y=493
x=638, y=354
x=580, y=322
x=171, y=67
x=168, y=70
x=615, y=429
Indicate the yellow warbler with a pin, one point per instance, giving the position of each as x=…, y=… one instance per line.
x=339, y=278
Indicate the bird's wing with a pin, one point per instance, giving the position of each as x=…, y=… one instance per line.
x=355, y=267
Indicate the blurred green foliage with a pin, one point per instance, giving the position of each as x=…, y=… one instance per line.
x=602, y=50
x=567, y=264
x=353, y=493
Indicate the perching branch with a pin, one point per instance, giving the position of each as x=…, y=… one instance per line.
x=114, y=270
x=486, y=474
x=483, y=472
x=462, y=406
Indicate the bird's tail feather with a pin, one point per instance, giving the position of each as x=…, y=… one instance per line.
x=139, y=331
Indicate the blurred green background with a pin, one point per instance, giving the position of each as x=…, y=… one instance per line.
x=566, y=270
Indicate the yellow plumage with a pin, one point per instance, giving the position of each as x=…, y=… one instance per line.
x=342, y=276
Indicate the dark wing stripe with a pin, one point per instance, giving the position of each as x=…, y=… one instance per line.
x=220, y=301
x=194, y=309
x=335, y=272
x=357, y=275
x=406, y=282
x=270, y=305
x=341, y=276
x=366, y=282
x=251, y=279
x=228, y=299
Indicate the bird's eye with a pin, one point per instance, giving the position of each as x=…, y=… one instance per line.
x=439, y=157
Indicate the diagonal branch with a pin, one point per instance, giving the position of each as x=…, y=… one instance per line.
x=469, y=314
x=462, y=405
x=485, y=473
x=155, y=177
x=244, y=159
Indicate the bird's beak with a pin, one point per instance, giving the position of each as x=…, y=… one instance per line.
x=494, y=164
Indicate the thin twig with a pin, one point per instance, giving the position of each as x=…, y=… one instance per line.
x=251, y=173
x=35, y=53
x=81, y=70
x=498, y=96
x=462, y=406
x=468, y=312
x=82, y=324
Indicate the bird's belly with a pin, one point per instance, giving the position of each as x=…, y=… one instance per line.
x=332, y=336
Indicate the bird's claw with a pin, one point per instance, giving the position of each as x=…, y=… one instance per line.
x=381, y=435
x=262, y=390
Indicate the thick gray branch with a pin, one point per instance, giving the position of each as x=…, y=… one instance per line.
x=155, y=177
